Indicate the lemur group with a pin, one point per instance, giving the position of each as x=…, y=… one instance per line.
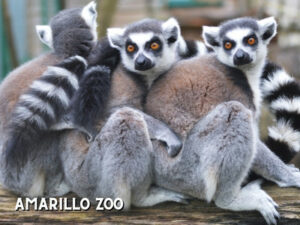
x=147, y=116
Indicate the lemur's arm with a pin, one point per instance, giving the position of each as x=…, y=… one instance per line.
x=282, y=93
x=89, y=102
x=160, y=131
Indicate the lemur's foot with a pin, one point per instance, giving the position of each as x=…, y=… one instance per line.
x=252, y=197
x=266, y=205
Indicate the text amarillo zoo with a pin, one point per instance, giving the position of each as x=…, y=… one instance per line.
x=65, y=204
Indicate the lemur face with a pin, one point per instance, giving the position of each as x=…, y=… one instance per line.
x=148, y=47
x=70, y=18
x=241, y=42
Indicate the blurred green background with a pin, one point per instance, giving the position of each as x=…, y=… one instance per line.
x=19, y=42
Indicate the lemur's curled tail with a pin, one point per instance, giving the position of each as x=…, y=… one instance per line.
x=89, y=103
x=282, y=93
x=41, y=107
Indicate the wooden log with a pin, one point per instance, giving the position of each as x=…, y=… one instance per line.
x=196, y=212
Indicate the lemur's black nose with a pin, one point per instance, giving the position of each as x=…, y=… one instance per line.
x=241, y=58
x=143, y=63
x=141, y=60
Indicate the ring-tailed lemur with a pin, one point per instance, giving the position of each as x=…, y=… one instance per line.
x=149, y=48
x=240, y=48
x=190, y=92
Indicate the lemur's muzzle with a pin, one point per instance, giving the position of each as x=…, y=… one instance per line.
x=143, y=63
x=241, y=58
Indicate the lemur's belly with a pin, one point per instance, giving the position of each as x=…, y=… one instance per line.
x=189, y=91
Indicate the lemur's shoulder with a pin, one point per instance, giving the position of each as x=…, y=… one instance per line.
x=18, y=81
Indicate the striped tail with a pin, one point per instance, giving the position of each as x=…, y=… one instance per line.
x=47, y=99
x=282, y=93
x=191, y=48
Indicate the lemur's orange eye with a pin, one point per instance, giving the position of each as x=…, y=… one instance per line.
x=251, y=41
x=154, y=46
x=130, y=48
x=228, y=45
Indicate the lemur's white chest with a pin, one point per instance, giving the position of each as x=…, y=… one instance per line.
x=253, y=76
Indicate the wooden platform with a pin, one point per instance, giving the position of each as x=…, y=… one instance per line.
x=197, y=212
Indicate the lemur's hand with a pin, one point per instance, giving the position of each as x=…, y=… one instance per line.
x=161, y=132
x=105, y=55
x=72, y=42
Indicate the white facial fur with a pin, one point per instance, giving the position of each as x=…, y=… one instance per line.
x=89, y=15
x=44, y=33
x=238, y=35
x=161, y=62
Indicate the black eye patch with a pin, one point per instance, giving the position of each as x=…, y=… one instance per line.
x=153, y=40
x=128, y=45
x=228, y=42
x=155, y=46
x=251, y=41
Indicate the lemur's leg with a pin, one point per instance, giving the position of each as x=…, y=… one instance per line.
x=40, y=175
x=268, y=165
x=226, y=141
x=118, y=162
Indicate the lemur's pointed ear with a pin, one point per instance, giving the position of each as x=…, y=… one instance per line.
x=171, y=30
x=44, y=33
x=89, y=14
x=268, y=28
x=211, y=36
x=115, y=37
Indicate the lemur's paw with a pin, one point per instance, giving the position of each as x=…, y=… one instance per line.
x=292, y=178
x=265, y=204
x=293, y=168
x=267, y=207
x=75, y=64
x=177, y=197
x=258, y=199
x=174, y=149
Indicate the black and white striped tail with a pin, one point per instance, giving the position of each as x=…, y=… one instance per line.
x=191, y=48
x=282, y=93
x=37, y=110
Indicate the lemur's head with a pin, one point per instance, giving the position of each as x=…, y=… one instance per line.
x=241, y=42
x=148, y=47
x=83, y=18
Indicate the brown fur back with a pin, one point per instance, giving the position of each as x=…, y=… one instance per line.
x=189, y=91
